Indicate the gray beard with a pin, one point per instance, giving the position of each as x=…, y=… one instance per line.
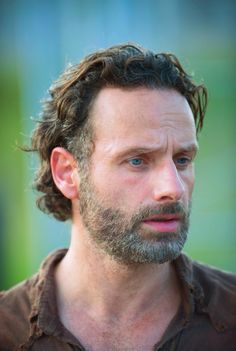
x=125, y=239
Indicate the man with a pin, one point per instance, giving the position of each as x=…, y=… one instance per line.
x=117, y=143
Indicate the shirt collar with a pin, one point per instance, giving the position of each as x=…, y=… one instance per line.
x=44, y=313
x=196, y=292
x=213, y=291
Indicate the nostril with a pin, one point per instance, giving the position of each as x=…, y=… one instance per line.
x=169, y=191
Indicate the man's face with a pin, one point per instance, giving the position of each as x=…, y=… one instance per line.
x=134, y=200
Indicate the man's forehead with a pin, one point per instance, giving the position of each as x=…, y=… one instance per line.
x=117, y=102
x=128, y=112
x=120, y=148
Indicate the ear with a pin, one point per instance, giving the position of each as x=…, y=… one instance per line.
x=64, y=172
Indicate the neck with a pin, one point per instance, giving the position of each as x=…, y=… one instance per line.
x=87, y=279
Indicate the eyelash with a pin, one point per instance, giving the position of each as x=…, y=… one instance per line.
x=136, y=165
x=187, y=161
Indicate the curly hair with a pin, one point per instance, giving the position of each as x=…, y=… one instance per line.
x=65, y=118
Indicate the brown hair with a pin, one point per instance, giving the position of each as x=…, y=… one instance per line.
x=65, y=116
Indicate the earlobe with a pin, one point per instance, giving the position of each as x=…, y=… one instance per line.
x=64, y=172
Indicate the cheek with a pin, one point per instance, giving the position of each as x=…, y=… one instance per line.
x=133, y=189
x=122, y=190
x=189, y=180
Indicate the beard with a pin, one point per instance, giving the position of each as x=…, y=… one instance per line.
x=125, y=238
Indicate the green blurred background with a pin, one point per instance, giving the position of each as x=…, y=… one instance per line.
x=37, y=40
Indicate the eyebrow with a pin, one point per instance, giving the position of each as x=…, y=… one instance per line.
x=144, y=149
x=190, y=148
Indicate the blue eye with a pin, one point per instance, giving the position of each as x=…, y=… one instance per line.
x=183, y=161
x=136, y=162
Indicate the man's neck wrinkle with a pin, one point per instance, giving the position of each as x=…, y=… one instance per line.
x=104, y=288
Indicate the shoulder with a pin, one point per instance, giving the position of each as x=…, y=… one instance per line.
x=21, y=306
x=212, y=279
x=15, y=309
x=218, y=290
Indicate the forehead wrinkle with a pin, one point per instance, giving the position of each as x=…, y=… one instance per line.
x=154, y=127
x=168, y=124
x=139, y=150
x=112, y=151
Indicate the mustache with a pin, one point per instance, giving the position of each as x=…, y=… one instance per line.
x=171, y=208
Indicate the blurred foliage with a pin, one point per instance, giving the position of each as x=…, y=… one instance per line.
x=12, y=201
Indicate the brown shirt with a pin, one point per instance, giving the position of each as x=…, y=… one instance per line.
x=206, y=320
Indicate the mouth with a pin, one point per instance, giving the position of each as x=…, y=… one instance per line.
x=163, y=223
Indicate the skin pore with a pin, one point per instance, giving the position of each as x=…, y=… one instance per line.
x=142, y=168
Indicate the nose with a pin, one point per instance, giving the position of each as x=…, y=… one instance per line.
x=168, y=185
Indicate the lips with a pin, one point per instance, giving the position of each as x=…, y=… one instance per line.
x=163, y=217
x=163, y=223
